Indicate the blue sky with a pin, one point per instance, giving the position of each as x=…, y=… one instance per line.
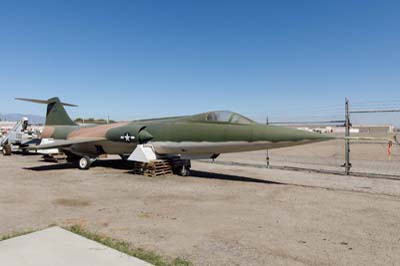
x=135, y=59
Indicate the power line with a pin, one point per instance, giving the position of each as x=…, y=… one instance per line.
x=306, y=122
x=375, y=111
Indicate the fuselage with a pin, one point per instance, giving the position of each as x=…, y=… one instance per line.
x=188, y=135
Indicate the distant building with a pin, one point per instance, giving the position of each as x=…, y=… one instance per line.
x=355, y=129
x=6, y=126
x=375, y=129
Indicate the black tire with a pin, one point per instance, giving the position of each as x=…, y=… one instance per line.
x=184, y=171
x=6, y=150
x=84, y=163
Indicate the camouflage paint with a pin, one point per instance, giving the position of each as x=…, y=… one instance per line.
x=177, y=133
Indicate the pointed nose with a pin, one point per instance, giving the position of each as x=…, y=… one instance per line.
x=283, y=134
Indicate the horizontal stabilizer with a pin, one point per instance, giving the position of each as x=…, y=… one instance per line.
x=44, y=101
x=56, y=114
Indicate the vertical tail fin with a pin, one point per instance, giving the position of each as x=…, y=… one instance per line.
x=56, y=114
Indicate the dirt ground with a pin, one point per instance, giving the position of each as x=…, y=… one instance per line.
x=222, y=215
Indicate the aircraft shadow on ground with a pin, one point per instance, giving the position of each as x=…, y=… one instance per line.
x=48, y=167
x=123, y=165
x=20, y=153
x=210, y=175
x=114, y=164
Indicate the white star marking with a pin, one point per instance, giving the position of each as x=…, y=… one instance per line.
x=127, y=137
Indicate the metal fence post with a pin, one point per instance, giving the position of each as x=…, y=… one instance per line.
x=347, y=163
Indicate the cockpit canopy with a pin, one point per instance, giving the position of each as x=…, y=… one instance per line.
x=225, y=117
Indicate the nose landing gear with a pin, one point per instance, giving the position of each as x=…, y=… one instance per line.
x=181, y=167
x=184, y=171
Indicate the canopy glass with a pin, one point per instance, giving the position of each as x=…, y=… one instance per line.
x=227, y=117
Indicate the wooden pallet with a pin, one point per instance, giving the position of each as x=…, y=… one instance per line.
x=159, y=167
x=153, y=168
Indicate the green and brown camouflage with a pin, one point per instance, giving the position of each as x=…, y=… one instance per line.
x=206, y=134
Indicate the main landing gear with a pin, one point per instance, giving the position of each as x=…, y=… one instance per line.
x=85, y=162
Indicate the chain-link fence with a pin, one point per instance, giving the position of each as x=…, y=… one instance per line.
x=366, y=157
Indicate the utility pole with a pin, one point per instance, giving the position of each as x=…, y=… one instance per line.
x=267, y=158
x=347, y=164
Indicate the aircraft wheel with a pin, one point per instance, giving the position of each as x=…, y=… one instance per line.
x=6, y=150
x=184, y=171
x=84, y=163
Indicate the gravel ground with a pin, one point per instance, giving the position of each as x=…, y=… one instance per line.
x=222, y=215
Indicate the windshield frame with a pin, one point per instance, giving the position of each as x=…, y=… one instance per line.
x=227, y=117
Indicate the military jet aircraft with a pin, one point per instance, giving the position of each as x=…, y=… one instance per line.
x=203, y=135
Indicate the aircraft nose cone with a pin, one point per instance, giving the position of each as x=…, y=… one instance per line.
x=144, y=136
x=283, y=134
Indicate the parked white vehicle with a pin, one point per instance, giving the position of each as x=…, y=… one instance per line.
x=18, y=138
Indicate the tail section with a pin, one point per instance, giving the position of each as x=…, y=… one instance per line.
x=56, y=114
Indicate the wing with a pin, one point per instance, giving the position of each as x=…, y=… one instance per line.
x=58, y=143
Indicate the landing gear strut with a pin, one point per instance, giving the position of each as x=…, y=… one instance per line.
x=184, y=171
x=181, y=167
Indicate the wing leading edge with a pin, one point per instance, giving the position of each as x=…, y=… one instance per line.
x=64, y=143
